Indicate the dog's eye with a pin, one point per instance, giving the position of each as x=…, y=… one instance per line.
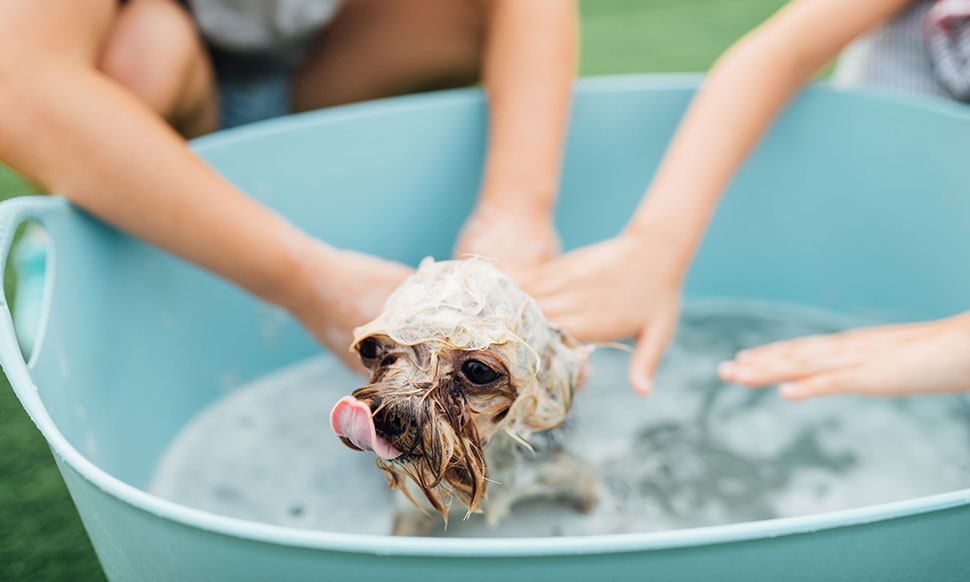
x=369, y=349
x=479, y=373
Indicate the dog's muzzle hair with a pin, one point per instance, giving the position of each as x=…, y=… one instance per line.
x=435, y=426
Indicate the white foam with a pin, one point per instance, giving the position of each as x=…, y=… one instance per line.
x=695, y=453
x=266, y=453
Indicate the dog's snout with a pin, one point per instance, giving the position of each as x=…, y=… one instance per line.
x=388, y=422
x=376, y=403
x=397, y=415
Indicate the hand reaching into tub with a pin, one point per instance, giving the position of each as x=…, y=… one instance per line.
x=622, y=287
x=519, y=240
x=334, y=291
x=627, y=286
x=529, y=83
x=900, y=360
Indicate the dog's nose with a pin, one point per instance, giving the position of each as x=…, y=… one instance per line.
x=388, y=423
x=376, y=403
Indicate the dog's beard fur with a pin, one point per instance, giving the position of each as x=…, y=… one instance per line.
x=429, y=411
x=435, y=424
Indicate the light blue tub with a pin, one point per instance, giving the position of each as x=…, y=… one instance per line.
x=858, y=203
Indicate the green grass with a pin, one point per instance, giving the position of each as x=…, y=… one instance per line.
x=41, y=537
x=635, y=36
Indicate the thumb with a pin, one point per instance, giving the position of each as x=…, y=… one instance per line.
x=650, y=347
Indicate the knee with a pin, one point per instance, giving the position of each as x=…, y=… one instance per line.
x=454, y=45
x=152, y=49
x=466, y=45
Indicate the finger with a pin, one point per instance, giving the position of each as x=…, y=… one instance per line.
x=648, y=351
x=813, y=346
x=559, y=305
x=784, y=368
x=548, y=279
x=584, y=328
x=515, y=270
x=568, y=311
x=802, y=357
x=857, y=379
x=568, y=271
x=824, y=345
x=792, y=360
x=575, y=312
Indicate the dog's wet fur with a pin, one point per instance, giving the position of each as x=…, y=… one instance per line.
x=426, y=407
x=461, y=385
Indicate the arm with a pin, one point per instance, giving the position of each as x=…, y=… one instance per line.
x=744, y=92
x=530, y=62
x=79, y=134
x=629, y=286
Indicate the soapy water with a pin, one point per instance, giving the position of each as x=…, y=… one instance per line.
x=695, y=453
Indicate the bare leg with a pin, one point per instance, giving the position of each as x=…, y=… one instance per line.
x=378, y=48
x=153, y=49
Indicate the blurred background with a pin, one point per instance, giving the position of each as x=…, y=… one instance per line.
x=41, y=537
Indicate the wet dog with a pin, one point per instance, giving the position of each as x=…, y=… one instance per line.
x=468, y=384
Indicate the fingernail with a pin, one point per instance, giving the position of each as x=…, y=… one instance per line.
x=642, y=385
x=726, y=370
x=790, y=390
x=743, y=355
x=742, y=375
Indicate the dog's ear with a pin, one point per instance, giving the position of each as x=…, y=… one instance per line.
x=545, y=398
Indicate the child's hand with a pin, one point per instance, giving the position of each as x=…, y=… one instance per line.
x=341, y=290
x=519, y=240
x=627, y=286
x=925, y=358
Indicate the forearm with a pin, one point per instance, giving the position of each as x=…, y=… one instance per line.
x=107, y=153
x=744, y=92
x=530, y=63
x=738, y=101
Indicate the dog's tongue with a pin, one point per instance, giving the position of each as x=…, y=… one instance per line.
x=351, y=419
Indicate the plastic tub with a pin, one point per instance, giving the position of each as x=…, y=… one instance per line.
x=856, y=203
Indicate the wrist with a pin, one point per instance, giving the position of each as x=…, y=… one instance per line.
x=525, y=203
x=296, y=283
x=513, y=187
x=675, y=240
x=679, y=240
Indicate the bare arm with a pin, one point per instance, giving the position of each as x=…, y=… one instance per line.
x=530, y=62
x=744, y=92
x=629, y=286
x=83, y=136
x=79, y=134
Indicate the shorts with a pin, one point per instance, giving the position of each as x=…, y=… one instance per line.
x=252, y=88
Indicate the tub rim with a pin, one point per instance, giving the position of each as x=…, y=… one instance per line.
x=17, y=210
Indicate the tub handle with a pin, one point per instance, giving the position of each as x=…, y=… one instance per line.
x=13, y=213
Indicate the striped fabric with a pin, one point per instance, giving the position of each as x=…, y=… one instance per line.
x=947, y=31
x=909, y=54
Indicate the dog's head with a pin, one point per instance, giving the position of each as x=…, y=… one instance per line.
x=459, y=353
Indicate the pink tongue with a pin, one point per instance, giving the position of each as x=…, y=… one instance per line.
x=351, y=419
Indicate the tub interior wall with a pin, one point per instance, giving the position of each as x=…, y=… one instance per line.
x=137, y=342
